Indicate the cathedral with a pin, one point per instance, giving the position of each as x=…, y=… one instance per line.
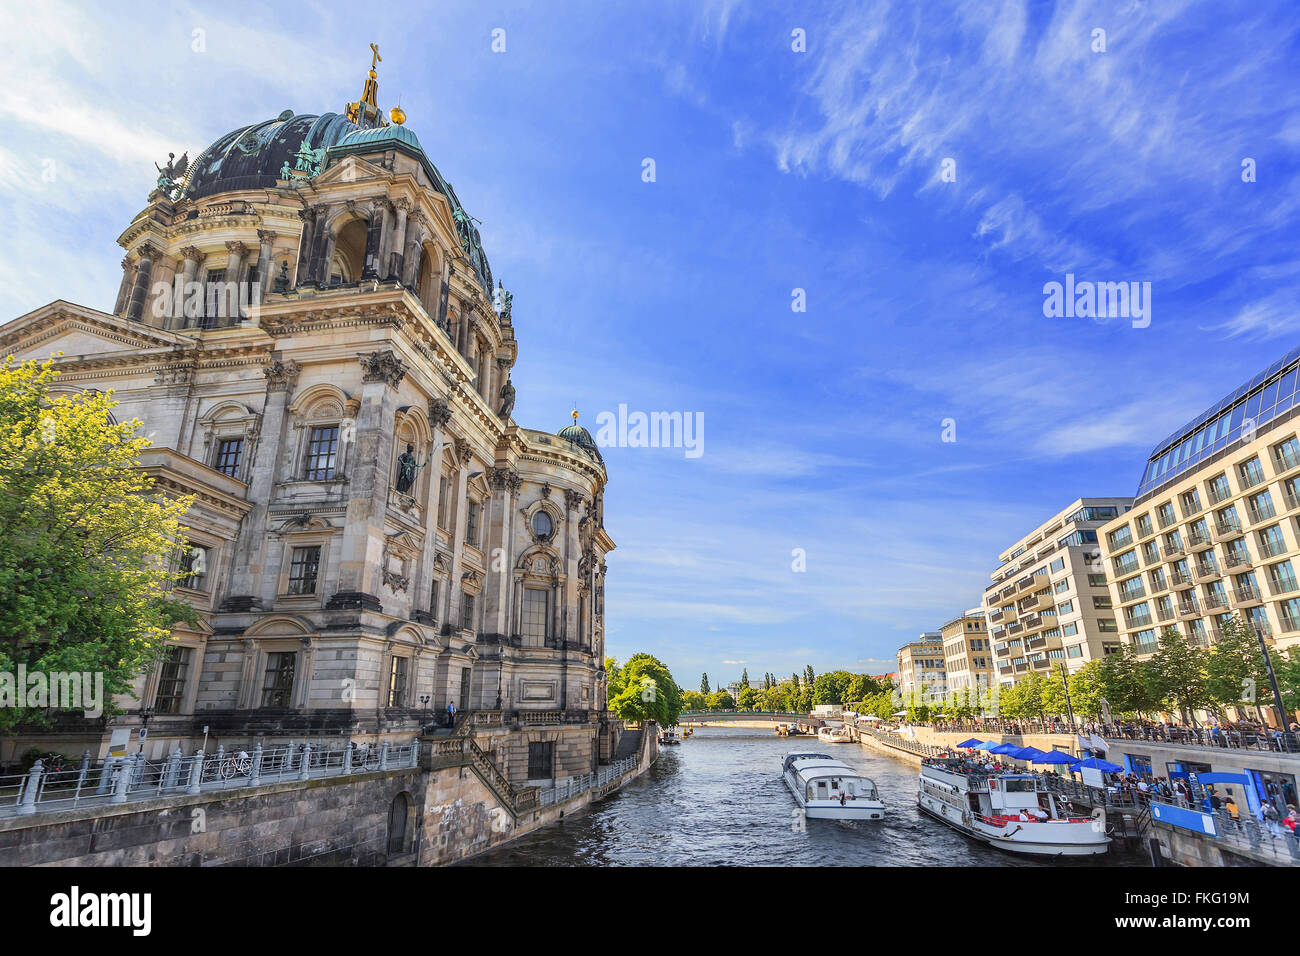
x=308, y=329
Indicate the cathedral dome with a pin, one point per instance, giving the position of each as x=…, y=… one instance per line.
x=577, y=435
x=251, y=157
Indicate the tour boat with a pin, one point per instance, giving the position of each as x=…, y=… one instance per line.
x=834, y=735
x=1010, y=811
x=828, y=789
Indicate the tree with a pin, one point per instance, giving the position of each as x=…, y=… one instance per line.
x=808, y=676
x=647, y=692
x=794, y=679
x=1177, y=675
x=88, y=544
x=744, y=677
x=704, y=685
x=694, y=700
x=1234, y=668
x=721, y=700
x=1055, y=688
x=1086, y=690
x=747, y=699
x=832, y=688
x=1123, y=683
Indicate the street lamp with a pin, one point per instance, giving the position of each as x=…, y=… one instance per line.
x=1065, y=683
x=145, y=714
x=1286, y=740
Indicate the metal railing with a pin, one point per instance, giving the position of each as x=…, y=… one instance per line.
x=117, y=780
x=576, y=786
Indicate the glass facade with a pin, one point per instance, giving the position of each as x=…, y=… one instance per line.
x=1268, y=394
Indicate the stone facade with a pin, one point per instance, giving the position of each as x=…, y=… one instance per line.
x=373, y=536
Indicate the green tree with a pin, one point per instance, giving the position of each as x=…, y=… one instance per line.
x=647, y=692
x=1176, y=674
x=1086, y=690
x=1123, y=683
x=694, y=700
x=88, y=543
x=808, y=676
x=1055, y=686
x=744, y=677
x=794, y=678
x=747, y=699
x=704, y=685
x=721, y=700
x=1234, y=668
x=831, y=688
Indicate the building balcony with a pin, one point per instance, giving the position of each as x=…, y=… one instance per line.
x=1292, y=501
x=1125, y=569
x=1284, y=586
x=1003, y=652
x=1205, y=572
x=997, y=616
x=1247, y=597
x=1166, y=521
x=1164, y=614
x=1033, y=622
x=1249, y=479
x=1140, y=621
x=1180, y=581
x=1188, y=609
x=1234, y=558
x=1015, y=629
x=1145, y=531
x=1227, y=529
x=1026, y=584
x=1272, y=549
x=1199, y=542
x=1213, y=601
x=1043, y=664
x=1261, y=514
x=1174, y=552
x=1284, y=460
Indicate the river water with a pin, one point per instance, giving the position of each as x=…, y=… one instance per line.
x=718, y=800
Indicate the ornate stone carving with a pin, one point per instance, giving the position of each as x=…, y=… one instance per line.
x=236, y=248
x=500, y=479
x=190, y=252
x=471, y=576
x=397, y=582
x=282, y=376
x=462, y=449
x=383, y=367
x=176, y=375
x=546, y=490
x=572, y=499
x=266, y=235
x=439, y=412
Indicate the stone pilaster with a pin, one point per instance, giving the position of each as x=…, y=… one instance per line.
x=397, y=242
x=149, y=254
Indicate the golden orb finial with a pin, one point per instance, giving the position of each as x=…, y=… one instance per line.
x=575, y=416
x=397, y=115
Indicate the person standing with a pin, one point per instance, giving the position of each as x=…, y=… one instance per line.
x=451, y=713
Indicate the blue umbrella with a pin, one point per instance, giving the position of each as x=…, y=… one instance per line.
x=970, y=743
x=989, y=745
x=1055, y=756
x=1006, y=749
x=1096, y=763
x=1027, y=753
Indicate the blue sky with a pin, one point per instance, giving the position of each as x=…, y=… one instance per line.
x=775, y=170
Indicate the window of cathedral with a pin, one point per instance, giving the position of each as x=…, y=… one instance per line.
x=397, y=678
x=541, y=760
x=230, y=452
x=534, y=617
x=443, y=482
x=173, y=674
x=467, y=611
x=277, y=682
x=543, y=527
x=193, y=568
x=322, y=453
x=471, y=523
x=304, y=570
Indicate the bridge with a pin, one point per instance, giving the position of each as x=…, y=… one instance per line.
x=746, y=718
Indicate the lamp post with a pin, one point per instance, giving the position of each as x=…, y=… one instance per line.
x=1286, y=740
x=1065, y=683
x=145, y=714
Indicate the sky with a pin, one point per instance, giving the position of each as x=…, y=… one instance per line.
x=838, y=263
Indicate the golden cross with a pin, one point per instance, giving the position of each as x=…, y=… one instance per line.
x=376, y=58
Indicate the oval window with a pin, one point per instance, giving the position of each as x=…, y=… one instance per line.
x=542, y=524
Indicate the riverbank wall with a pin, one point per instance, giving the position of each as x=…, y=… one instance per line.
x=444, y=810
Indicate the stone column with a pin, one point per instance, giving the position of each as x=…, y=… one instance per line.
x=505, y=483
x=302, y=268
x=368, y=482
x=235, y=260
x=411, y=256
x=183, y=311
x=376, y=237
x=230, y=294
x=397, y=241
x=439, y=415
x=149, y=254
x=124, y=289
x=264, y=263
x=457, y=532
x=248, y=569
x=463, y=341
x=572, y=556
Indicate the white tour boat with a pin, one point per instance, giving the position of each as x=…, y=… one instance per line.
x=828, y=789
x=834, y=735
x=1010, y=811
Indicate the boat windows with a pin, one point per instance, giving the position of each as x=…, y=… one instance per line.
x=1018, y=786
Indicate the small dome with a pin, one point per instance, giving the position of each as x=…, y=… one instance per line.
x=577, y=435
x=381, y=136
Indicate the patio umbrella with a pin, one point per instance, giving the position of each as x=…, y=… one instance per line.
x=989, y=745
x=1004, y=749
x=1027, y=753
x=970, y=744
x=1055, y=757
x=1096, y=763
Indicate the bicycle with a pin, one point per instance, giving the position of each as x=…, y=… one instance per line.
x=236, y=765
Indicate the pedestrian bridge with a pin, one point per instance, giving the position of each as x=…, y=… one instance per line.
x=747, y=718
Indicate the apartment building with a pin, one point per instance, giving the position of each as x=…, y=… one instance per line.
x=968, y=656
x=921, y=668
x=1215, y=527
x=1050, y=600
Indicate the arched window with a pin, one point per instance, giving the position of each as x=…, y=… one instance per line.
x=349, y=253
x=398, y=814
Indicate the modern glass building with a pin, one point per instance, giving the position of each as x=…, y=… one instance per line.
x=1215, y=530
x=1269, y=394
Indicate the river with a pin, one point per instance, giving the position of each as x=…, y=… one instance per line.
x=718, y=800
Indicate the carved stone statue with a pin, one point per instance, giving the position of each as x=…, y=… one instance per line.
x=507, y=400
x=169, y=174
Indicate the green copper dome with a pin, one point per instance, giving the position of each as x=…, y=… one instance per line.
x=575, y=434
